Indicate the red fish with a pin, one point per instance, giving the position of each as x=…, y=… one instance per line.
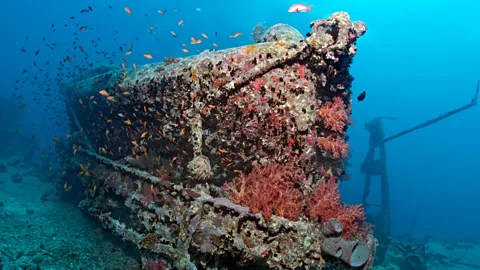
x=299, y=8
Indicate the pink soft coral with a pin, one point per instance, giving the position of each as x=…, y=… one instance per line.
x=324, y=203
x=334, y=146
x=269, y=189
x=334, y=114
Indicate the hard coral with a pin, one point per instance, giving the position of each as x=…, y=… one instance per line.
x=270, y=189
x=334, y=114
x=149, y=241
x=324, y=203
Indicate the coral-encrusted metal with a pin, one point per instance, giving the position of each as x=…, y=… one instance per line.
x=153, y=153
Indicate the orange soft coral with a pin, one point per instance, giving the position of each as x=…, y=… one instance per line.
x=324, y=203
x=269, y=189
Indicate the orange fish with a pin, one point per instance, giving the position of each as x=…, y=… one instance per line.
x=103, y=93
x=83, y=168
x=215, y=44
x=205, y=35
x=128, y=52
x=180, y=22
x=128, y=10
x=135, y=143
x=144, y=134
x=185, y=50
x=161, y=12
x=235, y=34
x=148, y=56
x=126, y=93
x=134, y=67
x=195, y=41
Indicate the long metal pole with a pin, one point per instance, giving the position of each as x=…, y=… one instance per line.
x=432, y=121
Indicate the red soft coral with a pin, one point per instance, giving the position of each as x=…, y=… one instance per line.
x=334, y=146
x=324, y=203
x=334, y=114
x=269, y=189
x=154, y=264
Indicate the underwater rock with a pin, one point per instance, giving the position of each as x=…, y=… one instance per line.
x=7, y=251
x=24, y=262
x=30, y=211
x=37, y=258
x=154, y=146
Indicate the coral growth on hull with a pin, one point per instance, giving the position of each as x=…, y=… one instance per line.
x=160, y=150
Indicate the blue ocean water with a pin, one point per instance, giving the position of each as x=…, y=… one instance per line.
x=418, y=59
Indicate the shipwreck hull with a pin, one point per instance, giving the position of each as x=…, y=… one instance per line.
x=153, y=144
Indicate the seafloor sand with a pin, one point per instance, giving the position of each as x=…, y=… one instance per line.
x=57, y=235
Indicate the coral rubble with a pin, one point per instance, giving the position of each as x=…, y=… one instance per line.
x=153, y=146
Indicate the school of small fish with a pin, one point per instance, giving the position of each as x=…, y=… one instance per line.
x=77, y=58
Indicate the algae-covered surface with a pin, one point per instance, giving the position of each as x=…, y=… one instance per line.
x=51, y=234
